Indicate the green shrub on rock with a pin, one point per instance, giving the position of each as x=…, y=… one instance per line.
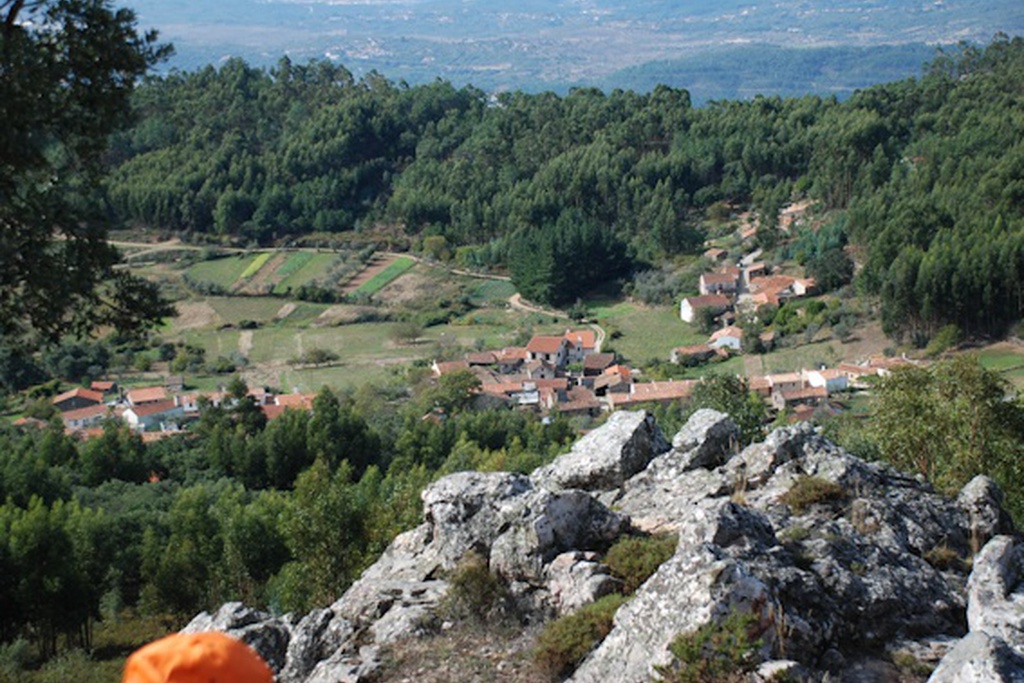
x=564, y=642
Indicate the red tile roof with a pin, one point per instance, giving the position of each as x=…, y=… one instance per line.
x=654, y=391
x=147, y=395
x=103, y=386
x=84, y=413
x=708, y=300
x=718, y=279
x=512, y=353
x=304, y=401
x=598, y=361
x=79, y=392
x=584, y=338
x=731, y=331
x=544, y=344
x=451, y=366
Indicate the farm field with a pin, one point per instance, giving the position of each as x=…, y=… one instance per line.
x=1007, y=359
x=270, y=334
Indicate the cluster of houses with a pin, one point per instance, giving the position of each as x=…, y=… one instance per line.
x=564, y=374
x=569, y=375
x=722, y=292
x=154, y=411
x=749, y=286
x=803, y=392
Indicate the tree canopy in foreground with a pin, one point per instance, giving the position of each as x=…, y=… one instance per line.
x=67, y=71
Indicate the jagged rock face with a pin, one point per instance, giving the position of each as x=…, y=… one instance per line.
x=993, y=651
x=834, y=582
x=827, y=583
x=606, y=457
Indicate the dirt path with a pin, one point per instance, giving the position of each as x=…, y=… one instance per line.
x=245, y=342
x=285, y=310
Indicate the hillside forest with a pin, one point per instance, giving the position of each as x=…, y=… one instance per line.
x=921, y=179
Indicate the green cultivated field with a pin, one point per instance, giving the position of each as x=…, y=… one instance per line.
x=302, y=268
x=647, y=332
x=382, y=279
x=223, y=272
x=1007, y=360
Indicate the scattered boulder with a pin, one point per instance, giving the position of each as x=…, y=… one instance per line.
x=706, y=439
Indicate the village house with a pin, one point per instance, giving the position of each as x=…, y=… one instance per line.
x=510, y=359
x=716, y=254
x=553, y=350
x=77, y=398
x=583, y=342
x=829, y=379
x=664, y=392
x=82, y=418
x=786, y=381
x=692, y=355
x=597, y=363
x=538, y=369
x=138, y=397
x=689, y=306
x=579, y=401
x=718, y=283
x=730, y=337
x=760, y=385
x=755, y=270
x=481, y=359
x=807, y=396
x=104, y=386
x=153, y=414
x=615, y=380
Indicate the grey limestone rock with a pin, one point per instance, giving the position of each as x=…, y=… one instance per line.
x=266, y=634
x=983, y=501
x=833, y=585
x=706, y=440
x=603, y=459
x=996, y=593
x=980, y=658
x=576, y=579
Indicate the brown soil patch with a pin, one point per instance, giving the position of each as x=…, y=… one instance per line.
x=376, y=265
x=194, y=314
x=286, y=310
x=245, y=342
x=411, y=286
x=867, y=340
x=464, y=653
x=343, y=315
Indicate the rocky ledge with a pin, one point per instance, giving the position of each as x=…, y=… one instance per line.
x=845, y=566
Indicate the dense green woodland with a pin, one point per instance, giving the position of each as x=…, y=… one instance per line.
x=924, y=177
x=283, y=515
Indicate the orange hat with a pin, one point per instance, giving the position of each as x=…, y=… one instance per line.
x=196, y=658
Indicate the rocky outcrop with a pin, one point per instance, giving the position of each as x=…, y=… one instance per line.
x=606, y=457
x=827, y=581
x=993, y=651
x=841, y=563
